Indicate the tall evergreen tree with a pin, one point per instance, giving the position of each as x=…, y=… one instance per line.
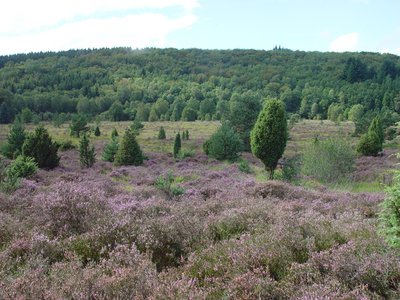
x=129, y=152
x=86, y=152
x=177, y=144
x=41, y=147
x=269, y=135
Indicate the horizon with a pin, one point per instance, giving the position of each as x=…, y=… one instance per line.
x=309, y=26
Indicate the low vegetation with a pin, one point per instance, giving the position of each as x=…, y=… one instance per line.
x=195, y=227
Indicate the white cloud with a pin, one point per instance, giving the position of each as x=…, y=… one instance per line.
x=43, y=25
x=345, y=42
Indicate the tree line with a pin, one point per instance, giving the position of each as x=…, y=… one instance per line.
x=168, y=84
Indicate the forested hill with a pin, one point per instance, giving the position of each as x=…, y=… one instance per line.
x=170, y=84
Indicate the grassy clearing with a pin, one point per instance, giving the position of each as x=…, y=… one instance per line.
x=301, y=134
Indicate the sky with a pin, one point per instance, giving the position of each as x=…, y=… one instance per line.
x=309, y=25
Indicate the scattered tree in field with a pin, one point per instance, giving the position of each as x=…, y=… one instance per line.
x=371, y=143
x=114, y=133
x=177, y=145
x=41, y=147
x=110, y=150
x=97, y=131
x=225, y=143
x=86, y=152
x=15, y=140
x=161, y=133
x=269, y=135
x=129, y=152
x=390, y=213
x=78, y=125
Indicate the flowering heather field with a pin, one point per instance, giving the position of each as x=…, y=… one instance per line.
x=112, y=233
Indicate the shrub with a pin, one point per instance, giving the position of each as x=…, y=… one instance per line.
x=329, y=160
x=136, y=126
x=244, y=166
x=66, y=145
x=161, y=133
x=129, y=152
x=15, y=140
x=185, y=152
x=390, y=213
x=167, y=184
x=369, y=144
x=269, y=135
x=177, y=145
x=224, y=144
x=291, y=168
x=110, y=150
x=70, y=208
x=86, y=153
x=22, y=167
x=40, y=146
x=7, y=183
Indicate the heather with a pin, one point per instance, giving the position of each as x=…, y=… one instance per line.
x=121, y=233
x=193, y=228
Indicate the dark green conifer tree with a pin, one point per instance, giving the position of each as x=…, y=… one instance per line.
x=161, y=133
x=269, y=134
x=129, y=152
x=87, y=155
x=97, y=131
x=177, y=145
x=41, y=147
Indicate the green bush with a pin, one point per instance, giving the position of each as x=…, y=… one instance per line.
x=291, y=168
x=329, y=160
x=66, y=145
x=224, y=144
x=369, y=144
x=15, y=140
x=168, y=186
x=185, y=152
x=129, y=152
x=161, y=134
x=22, y=167
x=390, y=213
x=41, y=147
x=244, y=166
x=110, y=150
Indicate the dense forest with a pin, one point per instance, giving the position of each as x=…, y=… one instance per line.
x=170, y=84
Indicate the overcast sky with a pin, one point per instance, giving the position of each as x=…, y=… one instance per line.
x=311, y=25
